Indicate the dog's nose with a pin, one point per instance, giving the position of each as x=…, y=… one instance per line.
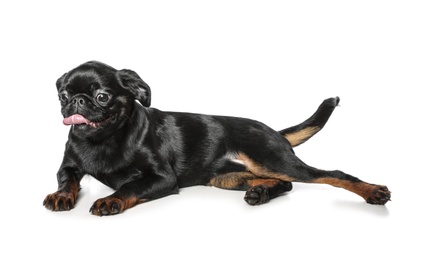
x=80, y=101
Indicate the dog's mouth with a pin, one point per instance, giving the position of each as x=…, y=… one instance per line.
x=78, y=119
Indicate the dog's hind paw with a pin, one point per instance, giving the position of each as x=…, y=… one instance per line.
x=380, y=195
x=257, y=195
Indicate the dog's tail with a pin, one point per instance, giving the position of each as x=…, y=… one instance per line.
x=298, y=134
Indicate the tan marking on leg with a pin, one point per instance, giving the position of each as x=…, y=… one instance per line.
x=260, y=171
x=301, y=136
x=363, y=189
x=266, y=182
x=63, y=199
x=113, y=205
x=231, y=180
x=131, y=202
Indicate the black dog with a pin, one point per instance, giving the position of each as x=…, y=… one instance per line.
x=145, y=154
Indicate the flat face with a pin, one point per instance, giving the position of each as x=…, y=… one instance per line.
x=92, y=99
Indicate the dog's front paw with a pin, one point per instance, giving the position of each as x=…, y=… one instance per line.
x=379, y=196
x=257, y=195
x=107, y=206
x=60, y=201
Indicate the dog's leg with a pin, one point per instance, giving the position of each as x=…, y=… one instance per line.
x=263, y=190
x=151, y=186
x=300, y=172
x=259, y=190
x=114, y=204
x=68, y=189
x=371, y=193
x=232, y=180
x=63, y=199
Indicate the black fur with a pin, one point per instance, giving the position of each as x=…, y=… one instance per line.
x=145, y=154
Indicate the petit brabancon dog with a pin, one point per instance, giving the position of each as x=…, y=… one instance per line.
x=145, y=154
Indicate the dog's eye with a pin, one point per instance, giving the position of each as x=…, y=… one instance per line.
x=63, y=97
x=102, y=98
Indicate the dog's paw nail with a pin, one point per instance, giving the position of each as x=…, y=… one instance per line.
x=107, y=206
x=380, y=195
x=115, y=208
x=59, y=201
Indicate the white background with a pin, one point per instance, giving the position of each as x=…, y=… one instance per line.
x=273, y=61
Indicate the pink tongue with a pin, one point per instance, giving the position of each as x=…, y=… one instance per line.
x=75, y=119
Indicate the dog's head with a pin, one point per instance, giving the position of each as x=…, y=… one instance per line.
x=98, y=99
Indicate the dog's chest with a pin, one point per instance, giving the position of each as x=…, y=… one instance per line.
x=104, y=159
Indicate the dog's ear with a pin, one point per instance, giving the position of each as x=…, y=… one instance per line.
x=133, y=83
x=59, y=81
